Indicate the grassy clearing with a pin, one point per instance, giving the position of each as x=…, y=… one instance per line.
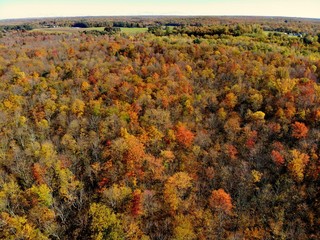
x=132, y=31
x=91, y=29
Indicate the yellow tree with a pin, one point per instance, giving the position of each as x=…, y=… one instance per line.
x=105, y=224
x=183, y=229
x=176, y=190
x=298, y=164
x=77, y=107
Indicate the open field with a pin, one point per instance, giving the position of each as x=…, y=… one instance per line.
x=134, y=30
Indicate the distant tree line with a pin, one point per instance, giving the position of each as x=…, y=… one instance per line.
x=127, y=24
x=201, y=31
x=81, y=25
x=107, y=31
x=26, y=27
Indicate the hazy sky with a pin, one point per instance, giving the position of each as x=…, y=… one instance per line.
x=51, y=8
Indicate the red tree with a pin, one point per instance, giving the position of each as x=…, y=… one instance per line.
x=299, y=130
x=221, y=201
x=184, y=136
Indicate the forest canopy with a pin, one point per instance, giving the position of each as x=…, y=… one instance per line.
x=207, y=129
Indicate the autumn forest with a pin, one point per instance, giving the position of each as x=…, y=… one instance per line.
x=196, y=128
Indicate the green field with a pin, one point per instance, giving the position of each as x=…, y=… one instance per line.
x=91, y=29
x=134, y=30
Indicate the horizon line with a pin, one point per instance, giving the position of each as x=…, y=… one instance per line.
x=158, y=15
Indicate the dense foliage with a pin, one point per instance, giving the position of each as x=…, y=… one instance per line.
x=159, y=137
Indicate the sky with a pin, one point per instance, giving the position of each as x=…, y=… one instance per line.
x=61, y=8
